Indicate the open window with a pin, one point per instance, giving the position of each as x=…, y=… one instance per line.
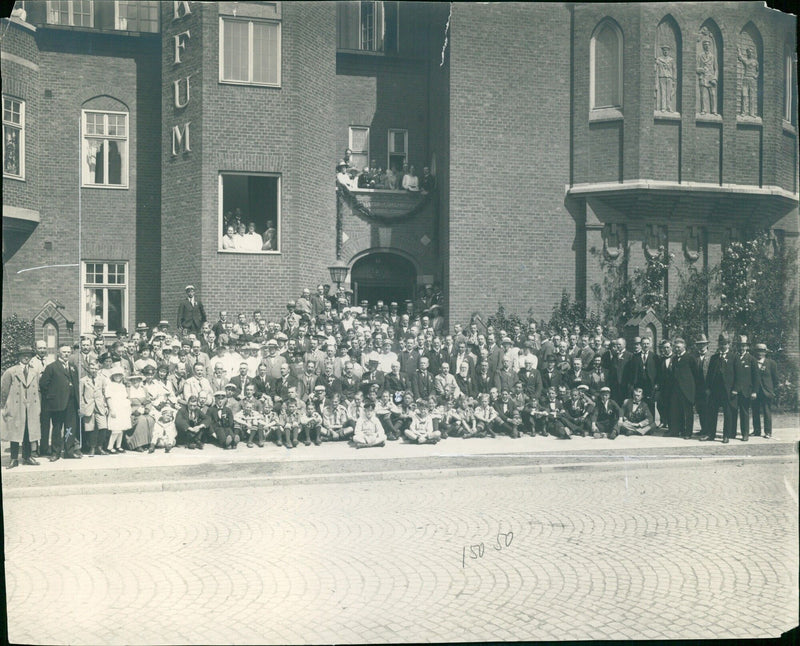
x=249, y=213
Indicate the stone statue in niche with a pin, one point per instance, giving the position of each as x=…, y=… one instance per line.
x=707, y=72
x=748, y=66
x=666, y=76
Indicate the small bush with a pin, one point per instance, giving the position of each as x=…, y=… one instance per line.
x=16, y=332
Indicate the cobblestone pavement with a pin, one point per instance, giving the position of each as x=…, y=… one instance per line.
x=707, y=551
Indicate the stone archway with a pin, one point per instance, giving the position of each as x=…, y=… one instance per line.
x=383, y=276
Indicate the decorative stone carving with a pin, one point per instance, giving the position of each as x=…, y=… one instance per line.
x=614, y=239
x=667, y=70
x=693, y=243
x=655, y=239
x=707, y=71
x=748, y=73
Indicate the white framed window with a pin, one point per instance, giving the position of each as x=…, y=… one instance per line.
x=136, y=15
x=790, y=88
x=249, y=51
x=75, y=13
x=398, y=149
x=605, y=66
x=249, y=212
x=105, y=149
x=13, y=138
x=104, y=294
x=358, y=143
x=369, y=26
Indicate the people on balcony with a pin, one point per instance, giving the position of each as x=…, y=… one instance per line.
x=410, y=179
x=428, y=182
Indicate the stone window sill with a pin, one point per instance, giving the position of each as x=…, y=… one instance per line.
x=605, y=114
x=789, y=127
x=742, y=120
x=708, y=118
x=666, y=116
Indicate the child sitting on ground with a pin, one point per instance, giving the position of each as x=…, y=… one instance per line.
x=164, y=431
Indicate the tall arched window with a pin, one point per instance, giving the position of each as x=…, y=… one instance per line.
x=790, y=86
x=605, y=61
x=50, y=336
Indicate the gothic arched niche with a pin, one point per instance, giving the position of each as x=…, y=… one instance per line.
x=709, y=69
x=749, y=85
x=668, y=67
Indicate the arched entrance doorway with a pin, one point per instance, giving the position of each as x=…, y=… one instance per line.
x=383, y=276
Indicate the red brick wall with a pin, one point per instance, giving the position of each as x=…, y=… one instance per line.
x=106, y=218
x=510, y=234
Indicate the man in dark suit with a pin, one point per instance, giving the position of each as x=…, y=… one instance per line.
x=645, y=372
x=766, y=389
x=282, y=384
x=719, y=383
x=462, y=355
x=422, y=385
x=59, y=386
x=531, y=382
x=551, y=377
x=219, y=422
x=619, y=374
x=682, y=394
x=664, y=383
x=703, y=360
x=745, y=382
x=241, y=380
x=191, y=313
x=496, y=353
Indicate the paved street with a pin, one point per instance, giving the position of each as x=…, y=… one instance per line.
x=705, y=551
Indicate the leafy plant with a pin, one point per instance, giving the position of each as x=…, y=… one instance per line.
x=16, y=332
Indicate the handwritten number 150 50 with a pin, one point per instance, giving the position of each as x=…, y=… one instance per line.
x=478, y=550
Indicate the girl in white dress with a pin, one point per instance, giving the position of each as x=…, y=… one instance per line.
x=119, y=409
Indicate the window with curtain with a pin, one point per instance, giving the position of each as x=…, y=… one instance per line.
x=105, y=148
x=76, y=13
x=359, y=144
x=105, y=294
x=250, y=51
x=368, y=26
x=606, y=66
x=137, y=15
x=13, y=138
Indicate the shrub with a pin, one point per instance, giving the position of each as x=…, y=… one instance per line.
x=16, y=332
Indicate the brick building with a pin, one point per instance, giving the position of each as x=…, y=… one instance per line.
x=559, y=134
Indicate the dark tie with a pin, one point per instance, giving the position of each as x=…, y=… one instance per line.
x=25, y=373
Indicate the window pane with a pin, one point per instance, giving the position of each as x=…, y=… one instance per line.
x=606, y=68
x=368, y=26
x=358, y=138
x=82, y=13
x=235, y=51
x=94, y=304
x=12, y=111
x=116, y=298
x=11, y=150
x=265, y=52
x=115, y=161
x=398, y=142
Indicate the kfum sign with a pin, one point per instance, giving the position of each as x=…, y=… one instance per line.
x=181, y=86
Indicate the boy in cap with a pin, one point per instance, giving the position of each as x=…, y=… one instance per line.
x=219, y=420
x=368, y=431
x=606, y=416
x=421, y=430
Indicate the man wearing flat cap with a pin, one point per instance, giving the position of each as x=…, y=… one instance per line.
x=191, y=313
x=766, y=388
x=20, y=407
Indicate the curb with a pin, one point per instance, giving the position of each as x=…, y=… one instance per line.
x=359, y=476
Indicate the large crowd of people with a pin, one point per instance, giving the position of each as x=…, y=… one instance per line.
x=329, y=371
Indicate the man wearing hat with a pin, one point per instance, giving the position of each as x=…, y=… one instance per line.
x=219, y=421
x=719, y=386
x=703, y=359
x=20, y=407
x=191, y=313
x=59, y=387
x=682, y=393
x=765, y=389
x=745, y=382
x=98, y=326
